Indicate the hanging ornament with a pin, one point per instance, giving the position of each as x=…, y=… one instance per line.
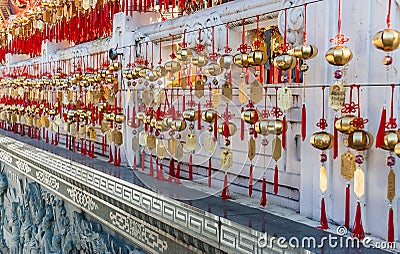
x=242, y=58
x=199, y=59
x=285, y=61
x=210, y=141
x=184, y=54
x=258, y=55
x=213, y=68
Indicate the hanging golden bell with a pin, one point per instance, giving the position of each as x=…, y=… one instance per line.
x=213, y=69
x=209, y=115
x=241, y=60
x=115, y=66
x=322, y=140
x=305, y=51
x=397, y=149
x=390, y=140
x=338, y=55
x=172, y=66
x=161, y=125
x=178, y=125
x=190, y=115
x=119, y=118
x=257, y=57
x=136, y=71
x=184, y=54
x=232, y=128
x=160, y=71
x=360, y=140
x=248, y=115
x=225, y=61
x=285, y=62
x=275, y=127
x=387, y=40
x=142, y=72
x=199, y=60
x=261, y=127
x=168, y=121
x=151, y=76
x=343, y=124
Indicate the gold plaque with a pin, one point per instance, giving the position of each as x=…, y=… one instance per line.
x=285, y=98
x=159, y=96
x=210, y=144
x=147, y=97
x=199, y=88
x=391, y=189
x=104, y=126
x=191, y=142
x=215, y=99
x=227, y=91
x=135, y=143
x=242, y=91
x=256, y=91
x=142, y=138
x=178, y=150
x=348, y=165
x=92, y=133
x=161, y=151
x=337, y=96
x=171, y=145
x=359, y=182
x=251, y=152
x=323, y=179
x=276, y=148
x=226, y=158
x=151, y=141
x=118, y=139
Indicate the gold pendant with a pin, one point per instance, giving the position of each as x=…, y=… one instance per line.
x=161, y=151
x=178, y=151
x=151, y=141
x=242, y=91
x=191, y=142
x=226, y=158
x=147, y=97
x=105, y=126
x=216, y=98
x=256, y=91
x=285, y=98
x=276, y=148
x=73, y=130
x=210, y=144
x=227, y=91
x=199, y=88
x=391, y=188
x=171, y=145
x=359, y=182
x=159, y=96
x=118, y=139
x=323, y=179
x=135, y=144
x=92, y=133
x=142, y=138
x=348, y=165
x=337, y=96
x=251, y=152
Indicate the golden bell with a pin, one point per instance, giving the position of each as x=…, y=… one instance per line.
x=199, y=60
x=184, y=54
x=109, y=117
x=161, y=125
x=275, y=127
x=390, y=140
x=285, y=62
x=172, y=66
x=225, y=61
x=119, y=118
x=248, y=115
x=213, y=69
x=209, y=115
x=178, y=125
x=151, y=76
x=115, y=66
x=257, y=58
x=338, y=55
x=305, y=51
x=168, y=121
x=136, y=71
x=386, y=40
x=261, y=127
x=360, y=140
x=231, y=126
x=397, y=149
x=160, y=71
x=190, y=115
x=142, y=72
x=343, y=124
x=322, y=140
x=241, y=60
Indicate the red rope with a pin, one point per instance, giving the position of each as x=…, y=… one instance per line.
x=388, y=15
x=305, y=24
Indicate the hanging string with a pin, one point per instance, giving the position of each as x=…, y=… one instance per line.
x=388, y=21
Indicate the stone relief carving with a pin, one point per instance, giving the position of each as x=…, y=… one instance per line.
x=35, y=221
x=294, y=21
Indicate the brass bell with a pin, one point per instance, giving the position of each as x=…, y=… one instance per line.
x=360, y=140
x=232, y=128
x=136, y=72
x=184, y=54
x=161, y=125
x=305, y=51
x=160, y=71
x=397, y=149
x=109, y=117
x=386, y=40
x=241, y=60
x=343, y=124
x=199, y=60
x=275, y=127
x=225, y=61
x=142, y=72
x=190, y=115
x=338, y=55
x=213, y=69
x=172, y=66
x=257, y=58
x=285, y=62
x=261, y=127
x=322, y=140
x=390, y=140
x=209, y=115
x=115, y=66
x=119, y=118
x=151, y=76
x=168, y=121
x=248, y=115
x=178, y=125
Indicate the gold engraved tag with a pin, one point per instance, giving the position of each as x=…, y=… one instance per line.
x=147, y=97
x=227, y=91
x=216, y=98
x=256, y=91
x=191, y=142
x=92, y=133
x=337, y=96
x=251, y=152
x=285, y=98
x=118, y=139
x=226, y=158
x=276, y=148
x=359, y=182
x=348, y=165
x=242, y=92
x=210, y=145
x=105, y=126
x=135, y=143
x=142, y=138
x=171, y=145
x=161, y=151
x=323, y=179
x=151, y=142
x=391, y=189
x=199, y=89
x=159, y=96
x=178, y=151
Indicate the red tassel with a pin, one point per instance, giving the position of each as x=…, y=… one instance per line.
x=160, y=172
x=190, y=167
x=303, y=122
x=66, y=140
x=284, y=127
x=255, y=120
x=242, y=127
x=133, y=122
x=390, y=226
x=178, y=174
x=225, y=192
x=335, y=140
x=151, y=173
x=115, y=155
x=143, y=160
x=276, y=180
x=347, y=208
x=323, y=220
x=358, y=230
x=103, y=145
x=381, y=131
x=298, y=71
x=198, y=117
x=171, y=169
x=134, y=162
x=209, y=173
x=251, y=181
x=263, y=200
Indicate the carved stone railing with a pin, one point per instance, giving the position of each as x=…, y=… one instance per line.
x=157, y=224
